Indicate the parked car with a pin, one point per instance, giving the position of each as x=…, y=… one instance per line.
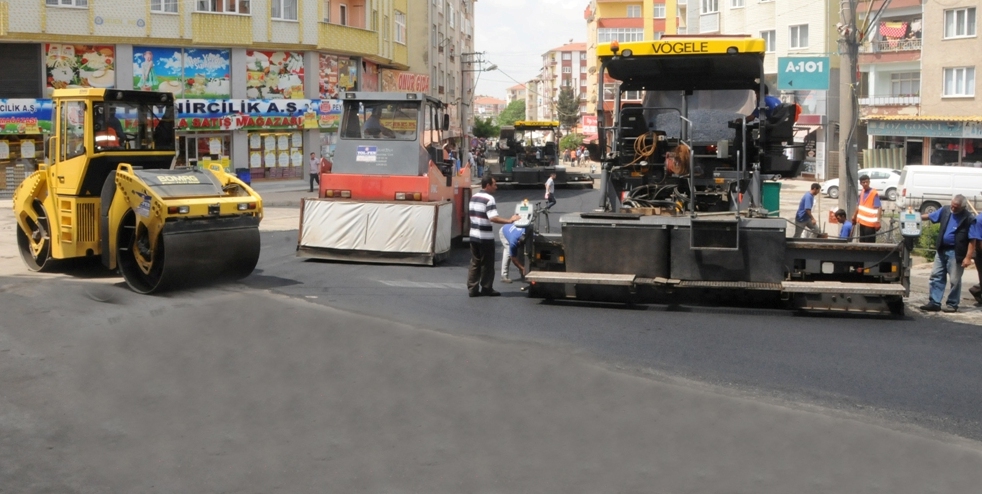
x=927, y=188
x=885, y=180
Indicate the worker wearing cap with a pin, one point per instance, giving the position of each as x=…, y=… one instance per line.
x=869, y=212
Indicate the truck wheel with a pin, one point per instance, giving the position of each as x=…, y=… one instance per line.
x=929, y=207
x=35, y=245
x=891, y=194
x=143, y=275
x=833, y=192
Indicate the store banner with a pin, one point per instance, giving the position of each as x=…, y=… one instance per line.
x=398, y=80
x=25, y=116
x=247, y=114
x=274, y=74
x=74, y=66
x=200, y=73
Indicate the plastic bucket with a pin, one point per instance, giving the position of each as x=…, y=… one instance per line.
x=509, y=163
x=771, y=197
x=244, y=175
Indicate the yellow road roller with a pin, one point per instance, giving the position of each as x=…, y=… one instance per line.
x=107, y=189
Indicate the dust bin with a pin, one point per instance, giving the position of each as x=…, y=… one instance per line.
x=771, y=198
x=509, y=164
x=244, y=175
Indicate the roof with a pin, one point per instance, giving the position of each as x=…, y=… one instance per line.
x=570, y=47
x=488, y=100
x=923, y=118
x=517, y=86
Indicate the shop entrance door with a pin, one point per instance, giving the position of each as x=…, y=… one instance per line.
x=194, y=149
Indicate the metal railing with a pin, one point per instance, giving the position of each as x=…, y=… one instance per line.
x=890, y=100
x=891, y=45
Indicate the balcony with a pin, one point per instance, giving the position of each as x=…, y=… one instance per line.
x=893, y=45
x=221, y=29
x=347, y=39
x=890, y=101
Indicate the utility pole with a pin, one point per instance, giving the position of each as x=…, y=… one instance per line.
x=848, y=112
x=470, y=62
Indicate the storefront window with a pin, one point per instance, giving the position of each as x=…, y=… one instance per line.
x=276, y=154
x=200, y=150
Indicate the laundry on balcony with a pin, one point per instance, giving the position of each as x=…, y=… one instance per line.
x=893, y=30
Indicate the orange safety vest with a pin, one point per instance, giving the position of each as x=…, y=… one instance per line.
x=867, y=214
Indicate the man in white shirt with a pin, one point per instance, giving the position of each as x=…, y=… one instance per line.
x=314, y=169
x=551, y=190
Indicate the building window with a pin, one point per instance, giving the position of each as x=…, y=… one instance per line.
x=959, y=23
x=634, y=11
x=622, y=34
x=736, y=4
x=582, y=55
x=905, y=84
x=583, y=69
x=226, y=6
x=799, y=36
x=343, y=14
x=659, y=11
x=768, y=40
x=959, y=81
x=710, y=6
x=285, y=10
x=451, y=15
x=327, y=10
x=67, y=3
x=169, y=6
x=400, y=27
x=567, y=70
x=567, y=56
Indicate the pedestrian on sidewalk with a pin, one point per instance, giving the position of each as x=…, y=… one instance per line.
x=804, y=219
x=951, y=250
x=512, y=238
x=869, y=212
x=314, y=170
x=551, y=191
x=845, y=231
x=975, y=252
x=483, y=212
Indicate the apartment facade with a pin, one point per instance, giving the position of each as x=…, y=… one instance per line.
x=515, y=93
x=923, y=109
x=256, y=81
x=636, y=20
x=488, y=107
x=562, y=67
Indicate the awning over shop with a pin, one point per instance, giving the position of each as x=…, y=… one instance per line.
x=953, y=127
x=802, y=131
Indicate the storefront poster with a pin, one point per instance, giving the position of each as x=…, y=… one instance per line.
x=255, y=141
x=201, y=73
x=4, y=150
x=369, y=80
x=272, y=75
x=398, y=80
x=347, y=74
x=328, y=76
x=68, y=66
x=25, y=116
x=330, y=114
x=207, y=74
x=255, y=159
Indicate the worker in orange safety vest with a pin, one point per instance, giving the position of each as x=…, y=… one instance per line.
x=869, y=212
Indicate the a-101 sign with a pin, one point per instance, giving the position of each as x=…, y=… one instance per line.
x=802, y=73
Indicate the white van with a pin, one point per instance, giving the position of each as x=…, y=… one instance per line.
x=927, y=188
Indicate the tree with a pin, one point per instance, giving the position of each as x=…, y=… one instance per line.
x=568, y=108
x=570, y=141
x=513, y=112
x=485, y=127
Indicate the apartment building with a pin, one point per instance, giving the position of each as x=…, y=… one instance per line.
x=920, y=101
x=255, y=80
x=515, y=93
x=562, y=67
x=488, y=107
x=790, y=30
x=635, y=20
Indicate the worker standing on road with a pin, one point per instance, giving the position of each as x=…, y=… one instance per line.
x=314, y=170
x=804, y=218
x=512, y=237
x=845, y=231
x=951, y=251
x=551, y=191
x=483, y=212
x=869, y=212
x=975, y=252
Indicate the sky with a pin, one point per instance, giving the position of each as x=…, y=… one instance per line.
x=513, y=34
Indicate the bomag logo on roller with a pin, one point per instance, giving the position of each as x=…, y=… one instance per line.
x=177, y=179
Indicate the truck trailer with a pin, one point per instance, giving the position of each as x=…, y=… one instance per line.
x=681, y=219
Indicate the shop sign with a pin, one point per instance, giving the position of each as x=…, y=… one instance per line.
x=398, y=80
x=246, y=114
x=73, y=66
x=797, y=73
x=25, y=116
x=274, y=74
x=915, y=129
x=187, y=73
x=329, y=114
x=589, y=124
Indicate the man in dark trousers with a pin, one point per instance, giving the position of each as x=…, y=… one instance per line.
x=975, y=253
x=484, y=212
x=868, y=212
x=951, y=251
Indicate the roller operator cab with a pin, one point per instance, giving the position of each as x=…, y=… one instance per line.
x=528, y=153
x=107, y=189
x=392, y=196
x=689, y=140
